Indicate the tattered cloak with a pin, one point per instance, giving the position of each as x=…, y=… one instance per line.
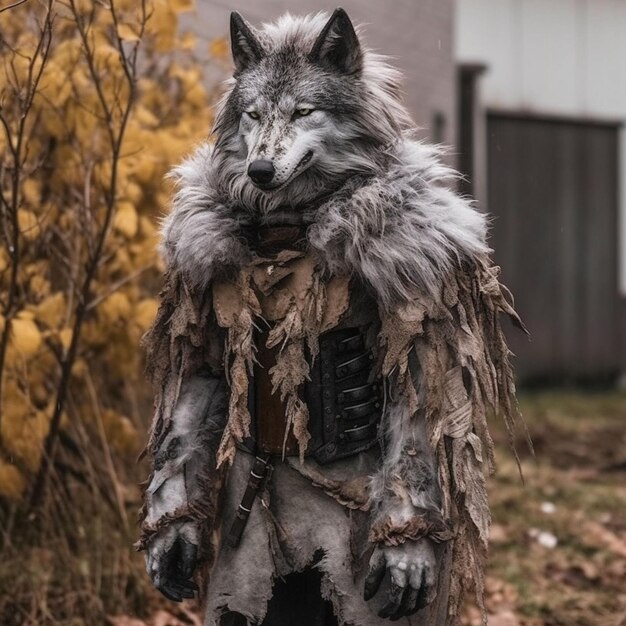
x=453, y=328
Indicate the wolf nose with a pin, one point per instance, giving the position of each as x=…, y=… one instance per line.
x=261, y=171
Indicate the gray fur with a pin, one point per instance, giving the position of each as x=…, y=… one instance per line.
x=377, y=201
x=337, y=47
x=411, y=470
x=245, y=45
x=401, y=228
x=181, y=466
x=407, y=478
x=200, y=235
x=197, y=423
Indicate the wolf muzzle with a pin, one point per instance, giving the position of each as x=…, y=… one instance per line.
x=261, y=172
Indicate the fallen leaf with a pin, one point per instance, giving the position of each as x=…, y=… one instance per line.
x=504, y=618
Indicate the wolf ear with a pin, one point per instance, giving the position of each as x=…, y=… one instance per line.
x=337, y=47
x=245, y=46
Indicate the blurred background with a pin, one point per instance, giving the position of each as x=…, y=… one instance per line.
x=98, y=100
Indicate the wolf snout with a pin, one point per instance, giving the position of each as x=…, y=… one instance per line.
x=261, y=171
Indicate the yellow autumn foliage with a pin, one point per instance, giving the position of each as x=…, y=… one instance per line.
x=25, y=337
x=12, y=482
x=145, y=312
x=65, y=337
x=121, y=432
x=127, y=32
x=68, y=175
x=116, y=308
x=126, y=219
x=182, y=5
x=51, y=310
x=29, y=224
x=39, y=286
x=23, y=427
x=219, y=48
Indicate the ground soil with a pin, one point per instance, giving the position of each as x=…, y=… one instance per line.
x=558, y=554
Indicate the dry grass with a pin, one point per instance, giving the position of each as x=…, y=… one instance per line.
x=71, y=562
x=575, y=492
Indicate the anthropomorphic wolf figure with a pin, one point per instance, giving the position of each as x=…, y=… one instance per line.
x=326, y=351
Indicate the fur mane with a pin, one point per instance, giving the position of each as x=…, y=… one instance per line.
x=392, y=219
x=400, y=230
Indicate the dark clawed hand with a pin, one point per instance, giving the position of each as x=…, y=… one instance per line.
x=412, y=567
x=171, y=566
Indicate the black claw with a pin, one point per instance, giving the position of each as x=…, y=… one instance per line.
x=395, y=600
x=187, y=593
x=373, y=580
x=409, y=601
x=188, y=555
x=168, y=593
x=405, y=605
x=388, y=610
x=175, y=571
x=424, y=597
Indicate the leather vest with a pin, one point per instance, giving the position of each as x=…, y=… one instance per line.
x=343, y=395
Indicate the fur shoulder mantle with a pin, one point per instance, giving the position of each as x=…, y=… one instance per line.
x=398, y=230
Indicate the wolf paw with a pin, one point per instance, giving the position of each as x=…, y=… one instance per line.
x=171, y=559
x=412, y=569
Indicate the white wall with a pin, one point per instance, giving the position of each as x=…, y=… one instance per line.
x=563, y=57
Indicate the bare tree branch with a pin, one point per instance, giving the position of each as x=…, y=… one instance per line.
x=116, y=134
x=10, y=207
x=12, y=6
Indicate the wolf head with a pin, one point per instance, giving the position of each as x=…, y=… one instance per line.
x=308, y=107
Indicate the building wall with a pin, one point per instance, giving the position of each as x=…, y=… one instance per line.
x=418, y=34
x=561, y=57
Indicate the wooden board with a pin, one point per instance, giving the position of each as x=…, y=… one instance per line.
x=553, y=191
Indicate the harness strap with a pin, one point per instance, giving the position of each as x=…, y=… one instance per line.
x=257, y=475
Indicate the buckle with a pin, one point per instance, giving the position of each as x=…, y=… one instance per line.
x=354, y=365
x=358, y=433
x=357, y=394
x=358, y=411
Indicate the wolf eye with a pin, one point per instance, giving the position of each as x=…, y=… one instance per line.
x=303, y=111
x=253, y=114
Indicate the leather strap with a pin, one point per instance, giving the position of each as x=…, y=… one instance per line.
x=344, y=397
x=257, y=474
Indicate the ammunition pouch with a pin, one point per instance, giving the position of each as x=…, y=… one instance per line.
x=343, y=395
